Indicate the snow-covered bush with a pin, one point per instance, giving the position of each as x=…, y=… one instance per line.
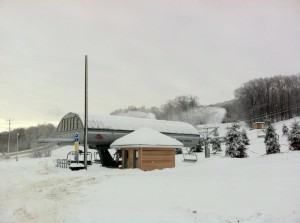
x=285, y=130
x=294, y=136
x=5, y=156
x=235, y=146
x=271, y=140
x=216, y=145
x=178, y=151
x=41, y=153
x=200, y=146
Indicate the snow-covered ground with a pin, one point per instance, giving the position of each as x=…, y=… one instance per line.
x=261, y=188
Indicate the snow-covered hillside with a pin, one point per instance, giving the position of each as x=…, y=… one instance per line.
x=262, y=188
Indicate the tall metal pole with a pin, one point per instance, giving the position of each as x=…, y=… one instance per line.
x=9, y=123
x=17, y=146
x=86, y=112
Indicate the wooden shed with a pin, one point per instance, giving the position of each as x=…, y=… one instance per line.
x=147, y=149
x=258, y=125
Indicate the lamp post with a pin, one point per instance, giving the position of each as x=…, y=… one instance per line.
x=17, y=146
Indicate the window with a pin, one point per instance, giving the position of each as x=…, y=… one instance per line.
x=75, y=123
x=67, y=124
x=71, y=123
x=63, y=125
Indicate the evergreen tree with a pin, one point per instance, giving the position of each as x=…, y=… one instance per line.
x=267, y=121
x=245, y=137
x=285, y=130
x=235, y=146
x=271, y=140
x=216, y=145
x=294, y=136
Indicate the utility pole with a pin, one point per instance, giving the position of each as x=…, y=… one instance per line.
x=205, y=132
x=9, y=123
x=85, y=111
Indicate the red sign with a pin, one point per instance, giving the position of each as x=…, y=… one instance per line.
x=99, y=137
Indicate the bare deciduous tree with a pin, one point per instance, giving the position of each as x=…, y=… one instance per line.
x=278, y=97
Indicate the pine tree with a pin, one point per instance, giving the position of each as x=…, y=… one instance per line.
x=294, y=136
x=245, y=137
x=271, y=140
x=235, y=146
x=285, y=130
x=216, y=145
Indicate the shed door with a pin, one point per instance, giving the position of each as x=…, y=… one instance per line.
x=125, y=158
x=135, y=159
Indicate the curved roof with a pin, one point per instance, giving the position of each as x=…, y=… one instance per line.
x=130, y=123
x=146, y=137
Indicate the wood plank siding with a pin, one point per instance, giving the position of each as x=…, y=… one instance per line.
x=258, y=125
x=148, y=158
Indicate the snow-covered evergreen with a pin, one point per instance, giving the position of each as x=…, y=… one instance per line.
x=294, y=136
x=285, y=130
x=235, y=146
x=245, y=137
x=271, y=140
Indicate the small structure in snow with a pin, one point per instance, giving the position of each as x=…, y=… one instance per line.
x=147, y=149
x=258, y=125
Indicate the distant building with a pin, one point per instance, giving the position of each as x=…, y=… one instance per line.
x=258, y=125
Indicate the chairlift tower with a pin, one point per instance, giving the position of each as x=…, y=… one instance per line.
x=205, y=132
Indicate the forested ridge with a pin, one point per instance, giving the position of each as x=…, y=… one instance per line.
x=26, y=138
x=277, y=97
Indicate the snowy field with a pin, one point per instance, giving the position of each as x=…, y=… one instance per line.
x=259, y=189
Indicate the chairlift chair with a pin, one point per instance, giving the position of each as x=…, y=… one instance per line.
x=261, y=134
x=190, y=156
x=71, y=155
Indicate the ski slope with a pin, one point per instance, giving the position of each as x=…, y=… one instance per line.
x=259, y=189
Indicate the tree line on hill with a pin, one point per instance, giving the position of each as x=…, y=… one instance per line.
x=26, y=138
x=277, y=97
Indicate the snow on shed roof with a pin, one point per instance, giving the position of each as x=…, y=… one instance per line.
x=130, y=123
x=146, y=137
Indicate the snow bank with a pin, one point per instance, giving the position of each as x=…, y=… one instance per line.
x=259, y=189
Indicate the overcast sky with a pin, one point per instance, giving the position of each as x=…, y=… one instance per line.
x=140, y=52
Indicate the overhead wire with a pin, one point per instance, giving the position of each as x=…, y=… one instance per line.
x=270, y=114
